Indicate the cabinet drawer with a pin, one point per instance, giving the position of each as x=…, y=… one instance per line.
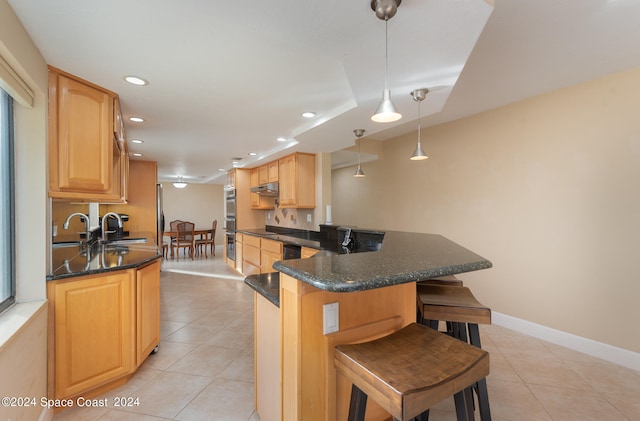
x=251, y=254
x=252, y=240
x=271, y=246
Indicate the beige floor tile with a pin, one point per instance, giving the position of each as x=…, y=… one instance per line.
x=205, y=361
x=607, y=377
x=169, y=394
x=579, y=405
x=627, y=403
x=167, y=328
x=168, y=354
x=193, y=334
x=222, y=400
x=241, y=368
x=238, y=335
x=501, y=369
x=118, y=415
x=514, y=401
x=546, y=371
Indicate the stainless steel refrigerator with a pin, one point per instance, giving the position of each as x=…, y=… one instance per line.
x=159, y=214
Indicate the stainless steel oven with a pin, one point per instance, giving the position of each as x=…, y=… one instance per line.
x=230, y=203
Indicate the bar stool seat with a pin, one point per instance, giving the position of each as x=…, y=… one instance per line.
x=409, y=371
x=462, y=313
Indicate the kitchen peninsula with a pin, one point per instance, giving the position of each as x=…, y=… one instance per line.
x=333, y=298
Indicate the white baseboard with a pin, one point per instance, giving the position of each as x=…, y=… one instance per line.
x=596, y=349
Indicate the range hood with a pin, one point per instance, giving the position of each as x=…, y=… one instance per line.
x=269, y=189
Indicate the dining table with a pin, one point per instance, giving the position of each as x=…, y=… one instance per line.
x=196, y=231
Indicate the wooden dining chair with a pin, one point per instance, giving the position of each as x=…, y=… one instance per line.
x=173, y=227
x=208, y=239
x=184, y=239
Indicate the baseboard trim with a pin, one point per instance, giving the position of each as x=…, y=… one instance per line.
x=596, y=349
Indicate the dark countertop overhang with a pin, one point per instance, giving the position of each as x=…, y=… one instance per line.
x=404, y=257
x=72, y=260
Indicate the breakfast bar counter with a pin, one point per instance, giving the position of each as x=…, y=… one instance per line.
x=334, y=298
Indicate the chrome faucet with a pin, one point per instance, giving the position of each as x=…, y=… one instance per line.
x=104, y=223
x=87, y=228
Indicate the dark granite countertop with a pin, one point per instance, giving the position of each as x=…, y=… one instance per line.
x=404, y=257
x=71, y=260
x=267, y=285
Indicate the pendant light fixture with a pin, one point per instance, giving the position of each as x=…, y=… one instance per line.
x=386, y=111
x=180, y=184
x=358, y=133
x=419, y=95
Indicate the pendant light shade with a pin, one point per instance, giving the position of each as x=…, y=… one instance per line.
x=419, y=95
x=180, y=184
x=359, y=133
x=386, y=111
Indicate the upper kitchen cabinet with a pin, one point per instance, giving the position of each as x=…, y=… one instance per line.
x=259, y=176
x=296, y=176
x=272, y=168
x=87, y=146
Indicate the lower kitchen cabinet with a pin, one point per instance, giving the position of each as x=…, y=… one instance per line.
x=270, y=252
x=251, y=255
x=94, y=339
x=147, y=310
x=101, y=328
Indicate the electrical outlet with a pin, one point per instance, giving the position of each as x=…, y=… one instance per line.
x=330, y=317
x=308, y=217
x=269, y=215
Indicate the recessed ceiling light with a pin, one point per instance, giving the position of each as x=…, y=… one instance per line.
x=136, y=119
x=137, y=141
x=252, y=154
x=308, y=114
x=135, y=80
x=281, y=139
x=222, y=170
x=137, y=154
x=235, y=162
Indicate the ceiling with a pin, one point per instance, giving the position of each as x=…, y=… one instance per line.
x=226, y=79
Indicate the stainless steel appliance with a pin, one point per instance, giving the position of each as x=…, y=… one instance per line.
x=230, y=222
x=159, y=215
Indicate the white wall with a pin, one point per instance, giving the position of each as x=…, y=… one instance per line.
x=23, y=328
x=547, y=189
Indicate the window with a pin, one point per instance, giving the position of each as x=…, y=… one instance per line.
x=7, y=226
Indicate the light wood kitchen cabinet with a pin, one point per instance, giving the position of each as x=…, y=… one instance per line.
x=273, y=171
x=296, y=174
x=86, y=158
x=250, y=255
x=270, y=252
x=101, y=328
x=147, y=310
x=94, y=335
x=260, y=176
x=239, y=254
x=306, y=252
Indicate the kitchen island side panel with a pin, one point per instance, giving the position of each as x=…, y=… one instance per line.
x=310, y=389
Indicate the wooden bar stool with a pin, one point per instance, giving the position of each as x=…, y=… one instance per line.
x=409, y=371
x=462, y=312
x=450, y=280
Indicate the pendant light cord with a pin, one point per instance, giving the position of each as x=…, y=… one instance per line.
x=419, y=130
x=386, y=52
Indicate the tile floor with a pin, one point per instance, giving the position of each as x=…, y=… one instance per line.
x=204, y=368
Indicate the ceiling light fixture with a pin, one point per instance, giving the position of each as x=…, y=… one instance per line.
x=308, y=114
x=135, y=80
x=180, y=184
x=358, y=133
x=137, y=154
x=281, y=139
x=419, y=95
x=138, y=141
x=386, y=111
x=137, y=119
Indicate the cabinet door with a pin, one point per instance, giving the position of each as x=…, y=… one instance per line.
x=94, y=334
x=85, y=137
x=263, y=174
x=254, y=182
x=147, y=310
x=273, y=171
x=286, y=170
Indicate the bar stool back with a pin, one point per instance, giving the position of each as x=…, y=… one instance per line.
x=411, y=370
